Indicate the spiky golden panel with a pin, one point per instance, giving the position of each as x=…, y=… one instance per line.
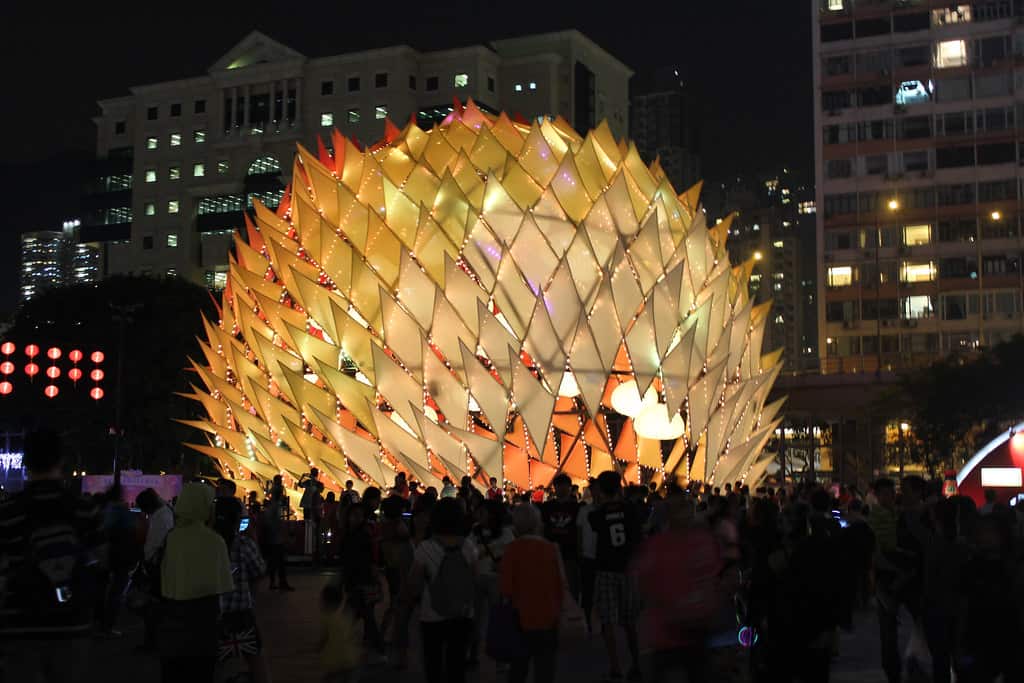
x=488, y=298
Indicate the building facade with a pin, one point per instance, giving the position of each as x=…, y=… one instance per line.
x=56, y=258
x=918, y=120
x=774, y=226
x=179, y=162
x=661, y=125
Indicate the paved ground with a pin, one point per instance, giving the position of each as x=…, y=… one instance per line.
x=289, y=625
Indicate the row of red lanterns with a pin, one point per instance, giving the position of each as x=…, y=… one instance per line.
x=53, y=372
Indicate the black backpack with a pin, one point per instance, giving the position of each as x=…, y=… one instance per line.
x=452, y=588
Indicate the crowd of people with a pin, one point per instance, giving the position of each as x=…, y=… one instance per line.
x=719, y=584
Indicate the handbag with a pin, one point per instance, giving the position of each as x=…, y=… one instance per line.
x=505, y=639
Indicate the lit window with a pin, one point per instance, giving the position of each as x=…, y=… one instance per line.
x=380, y=111
x=198, y=170
x=172, y=272
x=222, y=166
x=780, y=319
x=150, y=175
x=151, y=143
x=519, y=87
x=806, y=207
x=840, y=276
x=172, y=239
x=917, y=307
x=461, y=80
x=951, y=53
x=777, y=244
x=150, y=209
x=914, y=235
x=835, y=5
x=954, y=14
x=353, y=116
x=172, y=206
x=912, y=92
x=174, y=173
x=533, y=85
x=327, y=119
x=918, y=272
x=175, y=139
x=199, y=136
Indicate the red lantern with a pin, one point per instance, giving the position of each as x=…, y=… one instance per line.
x=7, y=348
x=96, y=357
x=75, y=356
x=31, y=350
x=96, y=375
x=51, y=390
x=53, y=353
x=75, y=374
x=31, y=369
x=53, y=372
x=6, y=388
x=96, y=393
x=7, y=367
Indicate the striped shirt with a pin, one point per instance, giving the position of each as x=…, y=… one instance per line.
x=63, y=528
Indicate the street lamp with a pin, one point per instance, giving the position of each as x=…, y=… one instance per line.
x=894, y=204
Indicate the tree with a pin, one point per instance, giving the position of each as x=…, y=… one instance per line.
x=159, y=336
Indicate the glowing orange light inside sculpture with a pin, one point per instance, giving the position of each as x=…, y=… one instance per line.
x=7, y=367
x=51, y=390
x=75, y=374
x=96, y=375
x=7, y=348
x=6, y=388
x=31, y=350
x=1017, y=446
x=53, y=353
x=31, y=369
x=75, y=356
x=96, y=393
x=96, y=357
x=53, y=372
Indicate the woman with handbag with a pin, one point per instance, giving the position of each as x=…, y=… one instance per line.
x=532, y=580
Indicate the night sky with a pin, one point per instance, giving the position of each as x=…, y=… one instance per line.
x=747, y=64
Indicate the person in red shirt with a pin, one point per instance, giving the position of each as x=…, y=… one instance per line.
x=537, y=496
x=677, y=572
x=493, y=491
x=532, y=579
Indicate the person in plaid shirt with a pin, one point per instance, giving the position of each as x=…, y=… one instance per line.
x=240, y=636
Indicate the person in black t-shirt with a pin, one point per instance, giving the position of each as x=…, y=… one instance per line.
x=560, y=528
x=617, y=525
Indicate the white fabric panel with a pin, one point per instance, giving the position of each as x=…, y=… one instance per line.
x=363, y=453
x=703, y=397
x=645, y=253
x=621, y=206
x=591, y=374
x=605, y=325
x=398, y=388
x=514, y=297
x=544, y=346
x=498, y=343
x=696, y=255
x=416, y=291
x=720, y=306
x=533, y=255
x=488, y=393
x=601, y=231
x=625, y=289
x=448, y=332
x=586, y=273
x=533, y=403
x=462, y=292
x=451, y=397
x=675, y=371
x=665, y=301
x=403, y=335
x=483, y=253
x=643, y=355
x=443, y=446
x=488, y=453
x=403, y=446
x=757, y=471
x=553, y=224
x=502, y=214
x=563, y=305
x=749, y=452
x=738, y=337
x=701, y=318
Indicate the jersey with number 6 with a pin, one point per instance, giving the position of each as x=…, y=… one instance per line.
x=617, y=527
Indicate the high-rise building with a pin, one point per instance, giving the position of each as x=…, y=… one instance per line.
x=774, y=226
x=55, y=258
x=180, y=161
x=918, y=113
x=661, y=126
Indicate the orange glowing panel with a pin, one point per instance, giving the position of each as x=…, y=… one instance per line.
x=96, y=375
x=31, y=369
x=53, y=353
x=96, y=393
x=75, y=356
x=97, y=357
x=7, y=348
x=51, y=391
x=31, y=350
x=53, y=372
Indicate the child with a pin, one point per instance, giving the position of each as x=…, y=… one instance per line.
x=339, y=647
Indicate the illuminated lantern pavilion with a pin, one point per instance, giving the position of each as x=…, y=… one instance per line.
x=491, y=298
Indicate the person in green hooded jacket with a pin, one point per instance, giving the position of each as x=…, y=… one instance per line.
x=195, y=571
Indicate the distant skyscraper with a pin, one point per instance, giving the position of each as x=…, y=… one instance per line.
x=661, y=125
x=55, y=258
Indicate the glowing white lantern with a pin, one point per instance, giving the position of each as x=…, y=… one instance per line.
x=653, y=422
x=626, y=399
x=569, y=388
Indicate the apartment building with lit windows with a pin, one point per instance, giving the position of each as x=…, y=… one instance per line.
x=179, y=162
x=919, y=110
x=56, y=258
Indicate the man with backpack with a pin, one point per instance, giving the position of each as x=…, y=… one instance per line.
x=49, y=542
x=443, y=575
